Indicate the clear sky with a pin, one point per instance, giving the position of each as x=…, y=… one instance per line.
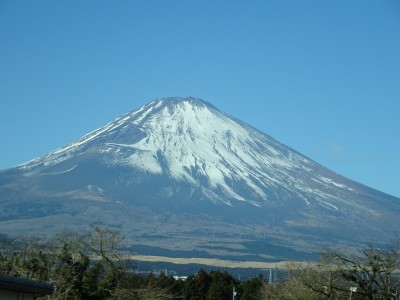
x=322, y=77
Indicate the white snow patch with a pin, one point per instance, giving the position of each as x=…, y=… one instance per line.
x=59, y=172
x=330, y=181
x=329, y=205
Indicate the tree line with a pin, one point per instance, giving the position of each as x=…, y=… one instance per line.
x=92, y=266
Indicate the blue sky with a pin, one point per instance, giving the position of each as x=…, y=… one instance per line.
x=322, y=77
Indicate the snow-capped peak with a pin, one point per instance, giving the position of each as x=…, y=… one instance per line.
x=191, y=141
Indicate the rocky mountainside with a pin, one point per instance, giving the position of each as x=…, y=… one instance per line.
x=180, y=175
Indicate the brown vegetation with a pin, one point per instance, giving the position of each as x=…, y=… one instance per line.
x=92, y=266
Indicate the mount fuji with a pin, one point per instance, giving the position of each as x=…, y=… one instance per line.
x=180, y=177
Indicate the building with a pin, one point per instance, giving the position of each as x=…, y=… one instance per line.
x=14, y=288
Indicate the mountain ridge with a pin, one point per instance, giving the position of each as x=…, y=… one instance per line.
x=183, y=159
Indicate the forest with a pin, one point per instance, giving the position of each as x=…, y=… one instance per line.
x=94, y=265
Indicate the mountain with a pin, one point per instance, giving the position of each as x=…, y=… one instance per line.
x=179, y=176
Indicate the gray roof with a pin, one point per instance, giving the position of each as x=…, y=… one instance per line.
x=16, y=284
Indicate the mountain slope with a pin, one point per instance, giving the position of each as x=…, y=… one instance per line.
x=185, y=162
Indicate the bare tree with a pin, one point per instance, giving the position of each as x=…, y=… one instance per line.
x=373, y=271
x=291, y=289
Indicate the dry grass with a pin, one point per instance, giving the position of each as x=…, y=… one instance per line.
x=212, y=262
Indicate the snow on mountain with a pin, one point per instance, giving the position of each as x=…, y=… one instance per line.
x=191, y=141
x=179, y=168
